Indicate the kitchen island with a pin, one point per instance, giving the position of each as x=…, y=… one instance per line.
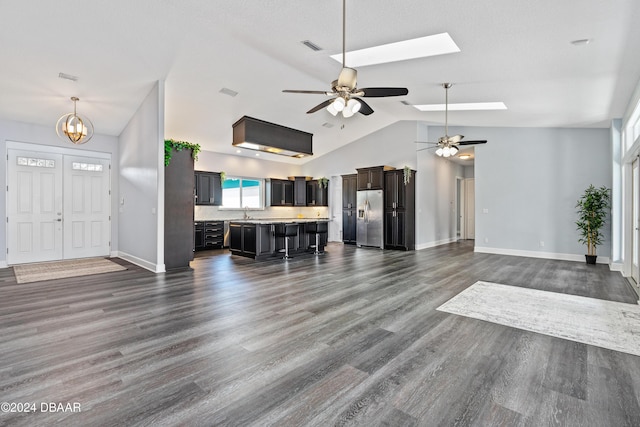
x=256, y=238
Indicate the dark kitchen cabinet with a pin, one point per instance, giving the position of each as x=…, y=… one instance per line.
x=242, y=239
x=300, y=191
x=208, y=187
x=209, y=235
x=399, y=211
x=349, y=191
x=280, y=192
x=371, y=178
x=349, y=226
x=178, y=210
x=349, y=208
x=317, y=195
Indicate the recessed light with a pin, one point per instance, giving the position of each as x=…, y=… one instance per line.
x=257, y=154
x=463, y=106
x=464, y=156
x=437, y=44
x=238, y=151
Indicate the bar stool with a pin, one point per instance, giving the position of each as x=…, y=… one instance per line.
x=286, y=231
x=316, y=228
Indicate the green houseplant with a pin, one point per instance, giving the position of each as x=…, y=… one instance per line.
x=593, y=208
x=170, y=145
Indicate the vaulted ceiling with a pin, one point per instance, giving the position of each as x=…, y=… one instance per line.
x=515, y=51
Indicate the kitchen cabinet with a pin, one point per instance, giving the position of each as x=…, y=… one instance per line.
x=349, y=191
x=209, y=235
x=178, y=210
x=242, y=239
x=300, y=191
x=349, y=208
x=399, y=212
x=316, y=195
x=349, y=225
x=371, y=178
x=280, y=192
x=208, y=187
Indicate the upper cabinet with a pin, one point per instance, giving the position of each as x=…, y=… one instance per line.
x=280, y=192
x=300, y=191
x=349, y=192
x=316, y=194
x=208, y=189
x=371, y=178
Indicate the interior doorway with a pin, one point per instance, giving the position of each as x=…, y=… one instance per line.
x=58, y=204
x=335, y=214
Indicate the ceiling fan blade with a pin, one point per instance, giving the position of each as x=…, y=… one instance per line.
x=472, y=142
x=347, y=78
x=320, y=106
x=365, y=109
x=425, y=142
x=379, y=92
x=315, y=92
x=455, y=139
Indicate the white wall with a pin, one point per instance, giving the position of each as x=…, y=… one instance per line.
x=390, y=146
x=141, y=230
x=46, y=135
x=528, y=181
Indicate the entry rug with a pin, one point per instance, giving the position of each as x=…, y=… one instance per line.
x=606, y=324
x=26, y=273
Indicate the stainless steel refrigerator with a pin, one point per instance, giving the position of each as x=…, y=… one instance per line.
x=370, y=220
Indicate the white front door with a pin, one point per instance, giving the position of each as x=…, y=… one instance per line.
x=87, y=228
x=58, y=206
x=34, y=206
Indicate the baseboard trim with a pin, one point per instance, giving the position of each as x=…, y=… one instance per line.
x=616, y=266
x=436, y=243
x=155, y=268
x=536, y=254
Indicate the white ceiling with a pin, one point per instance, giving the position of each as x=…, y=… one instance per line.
x=515, y=51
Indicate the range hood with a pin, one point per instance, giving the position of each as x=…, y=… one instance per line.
x=254, y=134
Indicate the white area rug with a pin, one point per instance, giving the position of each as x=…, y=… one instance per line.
x=607, y=324
x=26, y=273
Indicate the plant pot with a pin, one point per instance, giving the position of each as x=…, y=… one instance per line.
x=591, y=259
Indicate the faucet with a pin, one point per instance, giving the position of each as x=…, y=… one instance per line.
x=246, y=215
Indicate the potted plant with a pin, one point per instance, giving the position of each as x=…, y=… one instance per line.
x=406, y=174
x=323, y=182
x=593, y=208
x=170, y=145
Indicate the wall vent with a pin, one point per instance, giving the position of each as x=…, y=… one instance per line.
x=229, y=92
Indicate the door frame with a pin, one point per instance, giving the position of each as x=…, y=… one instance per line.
x=50, y=149
x=460, y=198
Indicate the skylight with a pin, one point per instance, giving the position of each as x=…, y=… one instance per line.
x=463, y=106
x=437, y=44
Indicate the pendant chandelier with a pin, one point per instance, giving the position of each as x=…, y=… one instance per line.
x=74, y=127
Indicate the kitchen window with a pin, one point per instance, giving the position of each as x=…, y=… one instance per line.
x=241, y=193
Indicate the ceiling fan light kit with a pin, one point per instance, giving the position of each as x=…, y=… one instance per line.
x=447, y=146
x=74, y=127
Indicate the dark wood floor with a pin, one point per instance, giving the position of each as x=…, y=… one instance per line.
x=348, y=338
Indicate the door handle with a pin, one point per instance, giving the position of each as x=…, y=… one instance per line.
x=59, y=219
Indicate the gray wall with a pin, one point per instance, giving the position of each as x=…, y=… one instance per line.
x=141, y=230
x=528, y=181
x=46, y=135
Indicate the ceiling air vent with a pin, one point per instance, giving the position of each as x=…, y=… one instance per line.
x=68, y=77
x=311, y=45
x=327, y=125
x=405, y=102
x=229, y=92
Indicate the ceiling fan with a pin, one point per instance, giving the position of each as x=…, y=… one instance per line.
x=448, y=145
x=347, y=97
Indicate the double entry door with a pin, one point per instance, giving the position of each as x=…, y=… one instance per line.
x=58, y=206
